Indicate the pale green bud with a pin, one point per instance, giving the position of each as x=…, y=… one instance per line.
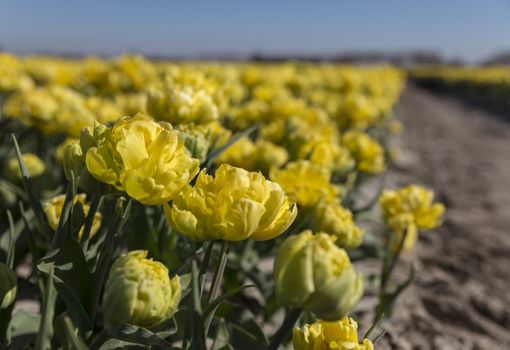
x=139, y=291
x=312, y=273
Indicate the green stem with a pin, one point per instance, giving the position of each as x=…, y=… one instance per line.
x=45, y=333
x=289, y=321
x=205, y=266
x=100, y=339
x=218, y=273
x=105, y=256
x=389, y=263
x=12, y=242
x=89, y=221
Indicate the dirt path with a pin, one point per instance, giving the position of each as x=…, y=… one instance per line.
x=461, y=297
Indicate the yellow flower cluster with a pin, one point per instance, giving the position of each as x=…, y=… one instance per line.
x=408, y=209
x=53, y=109
x=155, y=131
x=497, y=77
x=338, y=335
x=233, y=205
x=367, y=152
x=12, y=75
x=307, y=183
x=260, y=155
x=45, y=89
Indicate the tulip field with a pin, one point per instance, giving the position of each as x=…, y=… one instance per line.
x=201, y=205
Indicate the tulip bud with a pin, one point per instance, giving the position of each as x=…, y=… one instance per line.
x=73, y=160
x=139, y=291
x=7, y=286
x=312, y=273
x=341, y=335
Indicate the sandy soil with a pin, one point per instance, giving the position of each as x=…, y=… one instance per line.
x=461, y=296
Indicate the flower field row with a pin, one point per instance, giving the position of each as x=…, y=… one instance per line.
x=490, y=84
x=198, y=205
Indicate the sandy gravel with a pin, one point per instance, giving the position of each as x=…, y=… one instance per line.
x=461, y=297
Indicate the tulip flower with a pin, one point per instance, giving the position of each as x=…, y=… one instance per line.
x=366, y=151
x=337, y=335
x=333, y=219
x=144, y=158
x=139, y=291
x=312, y=273
x=233, y=205
x=307, y=183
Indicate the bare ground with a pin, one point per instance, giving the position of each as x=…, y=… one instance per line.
x=461, y=296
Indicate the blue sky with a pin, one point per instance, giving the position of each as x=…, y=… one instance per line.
x=470, y=29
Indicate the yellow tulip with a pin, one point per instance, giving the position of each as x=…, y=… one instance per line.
x=233, y=205
x=415, y=201
x=139, y=291
x=146, y=159
x=337, y=335
x=254, y=156
x=182, y=105
x=366, y=151
x=408, y=209
x=308, y=183
x=332, y=218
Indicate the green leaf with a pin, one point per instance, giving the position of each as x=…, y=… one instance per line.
x=45, y=333
x=166, y=328
x=64, y=226
x=213, y=306
x=23, y=323
x=117, y=344
x=137, y=335
x=19, y=226
x=105, y=258
x=73, y=279
x=194, y=334
x=247, y=335
x=34, y=202
x=89, y=220
x=12, y=242
x=67, y=335
x=221, y=338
